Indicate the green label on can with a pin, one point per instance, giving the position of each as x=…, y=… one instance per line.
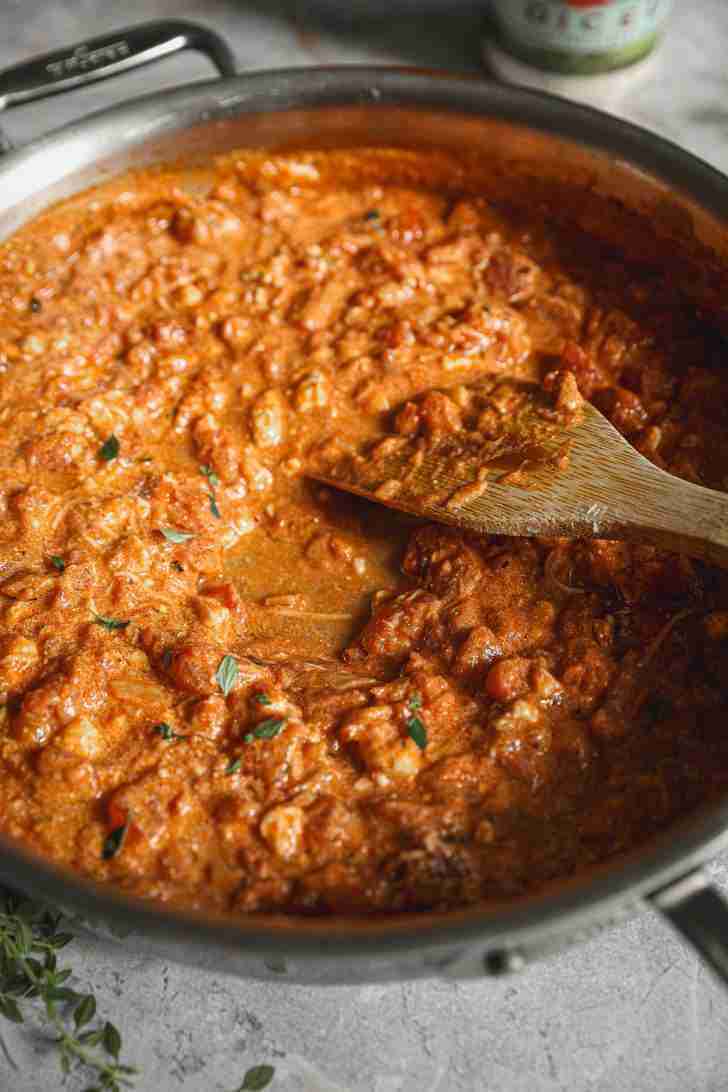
x=579, y=35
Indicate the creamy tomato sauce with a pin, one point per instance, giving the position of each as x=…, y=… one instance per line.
x=226, y=687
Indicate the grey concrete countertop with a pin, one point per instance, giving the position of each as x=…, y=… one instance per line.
x=632, y=1010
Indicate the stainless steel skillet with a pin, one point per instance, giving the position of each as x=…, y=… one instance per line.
x=679, y=209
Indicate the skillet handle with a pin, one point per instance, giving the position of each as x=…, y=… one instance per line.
x=109, y=55
x=698, y=911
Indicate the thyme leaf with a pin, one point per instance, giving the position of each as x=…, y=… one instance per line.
x=30, y=939
x=111, y=1040
x=226, y=674
x=267, y=729
x=257, y=1078
x=213, y=479
x=417, y=731
x=173, y=535
x=167, y=732
x=210, y=474
x=109, y=449
x=85, y=1010
x=114, y=842
x=110, y=623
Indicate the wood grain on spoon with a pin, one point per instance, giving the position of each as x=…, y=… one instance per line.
x=578, y=478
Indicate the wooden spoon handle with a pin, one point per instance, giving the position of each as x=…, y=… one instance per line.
x=675, y=515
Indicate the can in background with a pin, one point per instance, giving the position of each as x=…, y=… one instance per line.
x=585, y=49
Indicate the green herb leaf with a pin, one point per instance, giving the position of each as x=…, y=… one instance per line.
x=213, y=479
x=10, y=1010
x=415, y=702
x=30, y=939
x=109, y=623
x=112, y=1040
x=26, y=936
x=210, y=474
x=91, y=1038
x=257, y=1078
x=417, y=731
x=114, y=842
x=226, y=674
x=61, y=993
x=109, y=449
x=263, y=699
x=58, y=563
x=233, y=765
x=85, y=1011
x=172, y=535
x=166, y=732
x=267, y=729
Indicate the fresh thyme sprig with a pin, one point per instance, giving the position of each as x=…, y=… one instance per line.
x=214, y=481
x=30, y=939
x=257, y=1078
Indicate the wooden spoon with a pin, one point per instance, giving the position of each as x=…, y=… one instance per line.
x=607, y=490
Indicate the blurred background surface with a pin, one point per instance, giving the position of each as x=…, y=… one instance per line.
x=685, y=95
